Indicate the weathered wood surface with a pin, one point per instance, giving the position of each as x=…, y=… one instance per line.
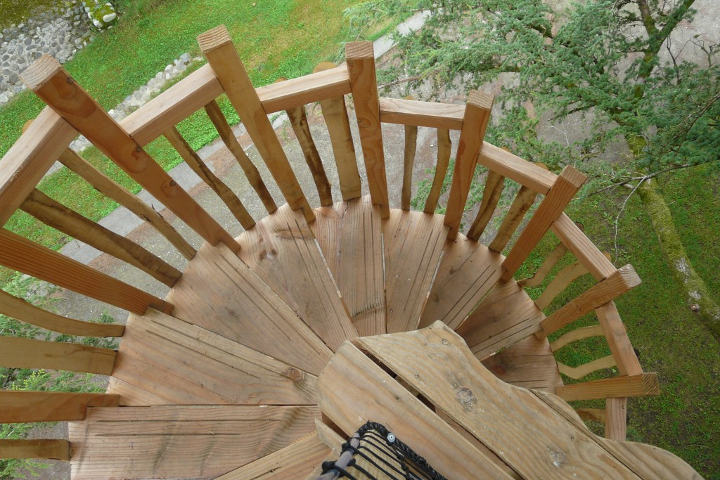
x=54, y=449
x=220, y=53
x=515, y=168
x=180, y=363
x=363, y=83
x=444, y=146
x=445, y=116
x=182, y=441
x=28, y=406
x=584, y=250
x=17, y=352
x=616, y=418
x=467, y=272
x=408, y=163
x=586, y=369
x=524, y=199
x=281, y=250
x=19, y=309
x=322, y=84
x=220, y=293
x=494, y=183
x=528, y=364
x=413, y=245
x=618, y=341
x=626, y=386
x=349, y=235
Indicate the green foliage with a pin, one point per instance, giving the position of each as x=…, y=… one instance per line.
x=16, y=11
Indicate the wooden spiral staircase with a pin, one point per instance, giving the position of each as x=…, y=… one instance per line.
x=263, y=336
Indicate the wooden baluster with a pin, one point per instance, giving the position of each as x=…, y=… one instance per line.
x=583, y=249
x=63, y=219
x=201, y=170
x=299, y=123
x=521, y=205
x=338, y=124
x=491, y=195
x=561, y=281
x=575, y=335
x=443, y=159
x=16, y=352
x=28, y=406
x=220, y=53
x=32, y=259
x=231, y=142
x=363, y=83
x=617, y=339
x=617, y=387
x=475, y=121
x=550, y=261
x=54, y=86
x=616, y=418
x=552, y=206
x=47, y=448
x=586, y=369
x=408, y=162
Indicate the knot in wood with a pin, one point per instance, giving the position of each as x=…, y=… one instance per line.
x=294, y=374
x=558, y=457
x=466, y=398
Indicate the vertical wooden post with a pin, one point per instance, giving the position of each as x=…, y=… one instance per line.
x=616, y=419
x=443, y=159
x=220, y=53
x=54, y=86
x=363, y=83
x=475, y=122
x=408, y=162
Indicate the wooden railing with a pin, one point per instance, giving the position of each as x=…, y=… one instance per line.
x=71, y=111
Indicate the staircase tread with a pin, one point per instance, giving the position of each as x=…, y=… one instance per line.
x=529, y=364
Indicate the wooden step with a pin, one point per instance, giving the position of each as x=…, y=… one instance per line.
x=529, y=364
x=179, y=363
x=182, y=441
x=349, y=234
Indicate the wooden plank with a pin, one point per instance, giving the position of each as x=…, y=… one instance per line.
x=475, y=122
x=26, y=406
x=196, y=164
x=54, y=449
x=592, y=414
x=506, y=316
x=32, y=259
x=443, y=160
x=586, y=368
x=616, y=418
x=299, y=123
x=220, y=293
x=343, y=396
x=172, y=106
x=617, y=387
x=281, y=239
x=231, y=142
x=541, y=273
x=335, y=114
x=111, y=189
x=363, y=83
x=26, y=312
x=413, y=245
x=408, y=163
x=320, y=85
x=562, y=280
x=583, y=249
x=562, y=191
x=220, y=53
x=18, y=352
x=349, y=236
x=182, y=441
x=618, y=341
x=30, y=158
x=515, y=168
x=294, y=462
x=594, y=297
x=54, y=86
x=186, y=364
x=494, y=184
x=528, y=435
x=467, y=272
x=130, y=395
x=578, y=334
x=528, y=364
x=445, y=116
x=513, y=218
x=71, y=223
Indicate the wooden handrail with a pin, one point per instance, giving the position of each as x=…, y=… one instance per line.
x=581, y=246
x=617, y=387
x=447, y=116
x=515, y=168
x=300, y=91
x=24, y=406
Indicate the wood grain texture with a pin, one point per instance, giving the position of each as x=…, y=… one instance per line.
x=54, y=449
x=349, y=236
x=444, y=146
x=586, y=369
x=618, y=341
x=575, y=335
x=71, y=223
x=182, y=363
x=230, y=71
x=16, y=352
x=220, y=293
x=494, y=184
x=196, y=164
x=55, y=87
x=515, y=168
x=335, y=114
x=32, y=259
x=528, y=364
x=545, y=268
x=332, y=82
x=19, y=309
x=445, y=116
x=467, y=272
x=30, y=158
x=560, y=282
x=363, y=83
x=113, y=190
x=282, y=239
x=475, y=122
x=524, y=199
x=182, y=441
x=413, y=245
x=343, y=387
x=560, y=194
x=584, y=250
x=617, y=387
x=231, y=142
x=616, y=418
x=408, y=163
x=28, y=406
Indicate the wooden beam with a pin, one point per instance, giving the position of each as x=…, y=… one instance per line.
x=53, y=449
x=445, y=116
x=617, y=338
x=47, y=78
x=408, y=163
x=515, y=168
x=220, y=53
x=617, y=387
x=616, y=419
x=524, y=199
x=18, y=352
x=320, y=85
x=444, y=146
x=584, y=250
x=494, y=184
x=25, y=407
